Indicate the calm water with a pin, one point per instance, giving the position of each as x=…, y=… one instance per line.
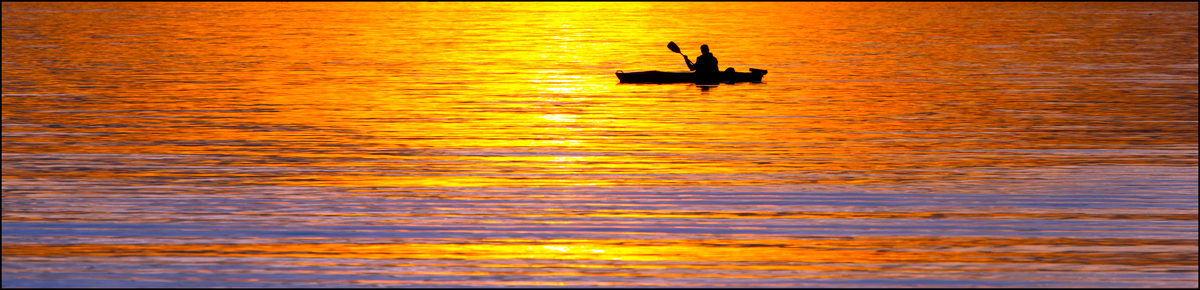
x=490, y=144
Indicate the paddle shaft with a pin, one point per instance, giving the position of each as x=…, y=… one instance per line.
x=675, y=48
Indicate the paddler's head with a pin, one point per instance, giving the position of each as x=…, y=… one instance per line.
x=704, y=49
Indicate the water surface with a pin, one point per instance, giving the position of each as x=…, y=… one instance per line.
x=490, y=144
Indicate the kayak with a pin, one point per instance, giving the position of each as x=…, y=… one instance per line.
x=661, y=77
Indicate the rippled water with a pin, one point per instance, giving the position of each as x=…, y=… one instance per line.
x=490, y=144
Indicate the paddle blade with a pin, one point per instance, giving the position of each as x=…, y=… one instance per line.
x=673, y=47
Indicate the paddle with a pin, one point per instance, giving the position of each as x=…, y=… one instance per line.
x=674, y=47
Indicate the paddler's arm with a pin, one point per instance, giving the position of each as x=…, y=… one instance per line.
x=689, y=63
